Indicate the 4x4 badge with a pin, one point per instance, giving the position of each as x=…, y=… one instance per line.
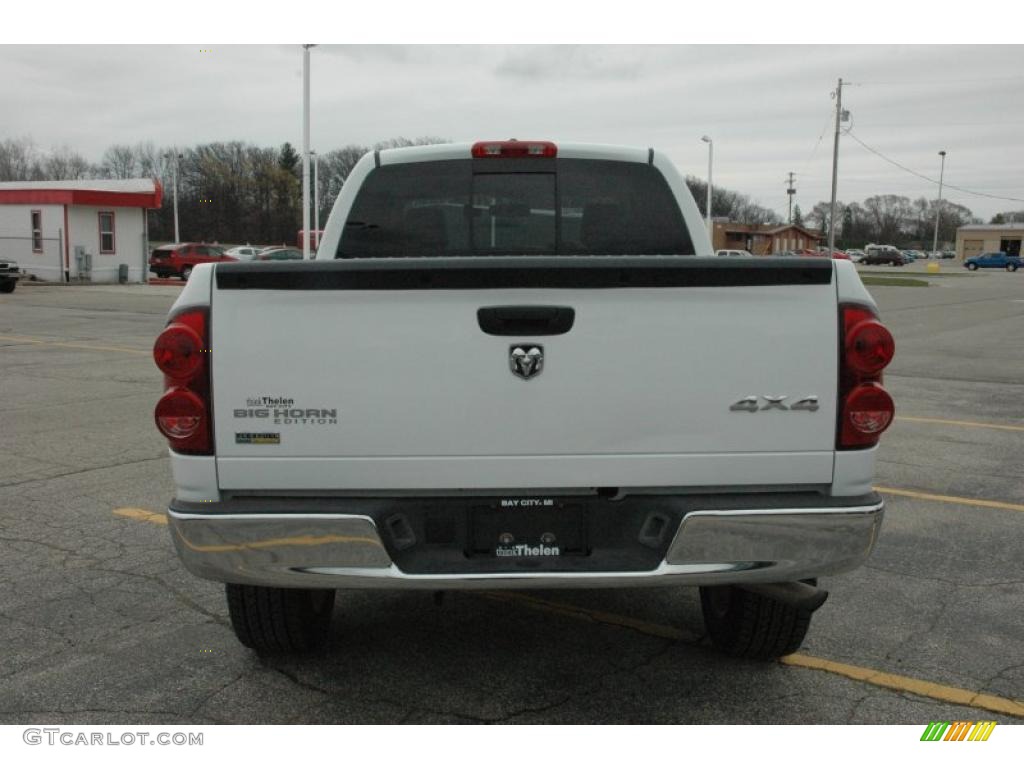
x=526, y=360
x=752, y=403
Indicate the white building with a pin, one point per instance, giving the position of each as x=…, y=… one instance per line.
x=78, y=230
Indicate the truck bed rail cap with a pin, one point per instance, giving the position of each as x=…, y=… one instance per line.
x=450, y=273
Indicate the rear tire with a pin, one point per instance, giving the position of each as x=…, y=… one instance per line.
x=271, y=620
x=972, y=267
x=749, y=626
x=1011, y=267
x=186, y=272
x=8, y=286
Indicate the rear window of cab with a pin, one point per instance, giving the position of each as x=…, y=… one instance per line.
x=514, y=207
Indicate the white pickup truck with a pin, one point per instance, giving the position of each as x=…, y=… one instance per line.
x=518, y=365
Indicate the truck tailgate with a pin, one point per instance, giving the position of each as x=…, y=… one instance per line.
x=325, y=383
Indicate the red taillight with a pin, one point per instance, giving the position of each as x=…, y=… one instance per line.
x=179, y=414
x=183, y=414
x=178, y=351
x=865, y=408
x=515, y=148
x=869, y=347
x=867, y=413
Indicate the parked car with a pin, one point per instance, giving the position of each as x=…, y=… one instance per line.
x=884, y=254
x=243, y=252
x=9, y=276
x=279, y=254
x=855, y=254
x=735, y=254
x=498, y=339
x=949, y=254
x=934, y=254
x=994, y=260
x=836, y=254
x=178, y=259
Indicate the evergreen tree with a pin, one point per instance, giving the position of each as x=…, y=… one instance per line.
x=798, y=217
x=289, y=158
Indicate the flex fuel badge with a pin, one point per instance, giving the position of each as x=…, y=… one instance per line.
x=258, y=438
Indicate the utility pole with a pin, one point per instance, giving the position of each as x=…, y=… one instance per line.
x=938, y=208
x=790, y=191
x=305, y=151
x=835, y=171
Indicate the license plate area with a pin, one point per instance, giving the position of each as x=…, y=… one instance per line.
x=527, y=529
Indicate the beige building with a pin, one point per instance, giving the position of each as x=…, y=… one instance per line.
x=973, y=239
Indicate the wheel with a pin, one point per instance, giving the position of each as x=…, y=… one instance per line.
x=1011, y=267
x=185, y=272
x=750, y=626
x=271, y=620
x=972, y=267
x=7, y=286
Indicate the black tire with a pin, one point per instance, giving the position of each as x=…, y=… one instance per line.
x=271, y=620
x=972, y=267
x=8, y=286
x=750, y=626
x=1011, y=267
x=185, y=272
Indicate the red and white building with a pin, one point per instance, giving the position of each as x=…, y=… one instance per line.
x=78, y=230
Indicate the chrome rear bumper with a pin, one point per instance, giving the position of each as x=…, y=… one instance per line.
x=715, y=546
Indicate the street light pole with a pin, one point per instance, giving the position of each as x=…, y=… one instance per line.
x=938, y=208
x=305, y=151
x=316, y=196
x=174, y=176
x=711, y=155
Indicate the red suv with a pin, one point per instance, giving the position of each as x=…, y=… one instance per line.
x=177, y=259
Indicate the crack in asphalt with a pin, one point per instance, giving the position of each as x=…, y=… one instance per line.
x=207, y=699
x=293, y=678
x=952, y=582
x=161, y=457
x=178, y=596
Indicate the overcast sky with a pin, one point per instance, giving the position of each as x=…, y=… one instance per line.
x=765, y=106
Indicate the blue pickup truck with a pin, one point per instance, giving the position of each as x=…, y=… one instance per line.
x=994, y=260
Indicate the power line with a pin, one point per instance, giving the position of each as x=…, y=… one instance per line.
x=944, y=81
x=928, y=179
x=824, y=130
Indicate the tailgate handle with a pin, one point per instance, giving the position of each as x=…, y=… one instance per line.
x=526, y=320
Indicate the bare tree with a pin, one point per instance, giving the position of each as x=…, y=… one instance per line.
x=119, y=162
x=18, y=160
x=65, y=163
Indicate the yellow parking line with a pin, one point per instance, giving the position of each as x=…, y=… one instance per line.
x=143, y=515
x=955, y=423
x=48, y=343
x=867, y=675
x=946, y=693
x=952, y=499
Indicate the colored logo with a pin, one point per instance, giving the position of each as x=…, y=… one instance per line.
x=958, y=731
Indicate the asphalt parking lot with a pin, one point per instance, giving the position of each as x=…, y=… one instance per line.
x=100, y=624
